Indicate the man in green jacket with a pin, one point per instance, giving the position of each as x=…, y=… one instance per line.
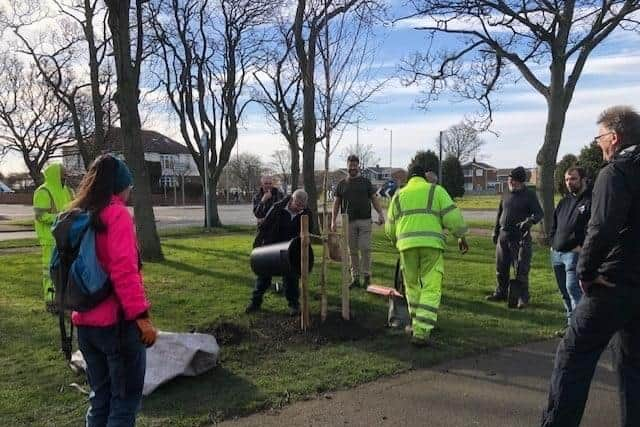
x=52, y=197
x=416, y=218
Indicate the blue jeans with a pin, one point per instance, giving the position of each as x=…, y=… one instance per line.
x=116, y=362
x=564, y=267
x=603, y=313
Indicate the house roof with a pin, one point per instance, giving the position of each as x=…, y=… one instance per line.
x=480, y=165
x=152, y=141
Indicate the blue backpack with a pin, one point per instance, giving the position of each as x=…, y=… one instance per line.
x=79, y=280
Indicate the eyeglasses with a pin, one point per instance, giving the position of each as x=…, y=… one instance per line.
x=597, y=138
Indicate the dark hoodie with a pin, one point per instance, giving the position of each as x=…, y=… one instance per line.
x=278, y=226
x=570, y=219
x=612, y=245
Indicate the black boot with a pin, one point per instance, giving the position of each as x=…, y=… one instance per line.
x=252, y=307
x=496, y=297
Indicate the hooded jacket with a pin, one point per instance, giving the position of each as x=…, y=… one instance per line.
x=612, y=245
x=570, y=219
x=117, y=251
x=278, y=226
x=51, y=198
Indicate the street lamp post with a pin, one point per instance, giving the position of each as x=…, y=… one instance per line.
x=204, y=146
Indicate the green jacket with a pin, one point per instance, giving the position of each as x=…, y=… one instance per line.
x=48, y=200
x=418, y=213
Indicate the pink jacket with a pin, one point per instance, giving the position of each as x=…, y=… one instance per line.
x=117, y=251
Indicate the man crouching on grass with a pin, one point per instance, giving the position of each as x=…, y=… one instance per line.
x=281, y=224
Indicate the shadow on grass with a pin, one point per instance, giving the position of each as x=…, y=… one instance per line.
x=187, y=397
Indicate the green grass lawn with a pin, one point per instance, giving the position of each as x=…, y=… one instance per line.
x=204, y=285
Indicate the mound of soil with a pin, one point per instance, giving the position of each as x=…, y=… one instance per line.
x=227, y=333
x=281, y=329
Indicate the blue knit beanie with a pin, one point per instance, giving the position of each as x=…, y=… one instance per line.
x=123, y=178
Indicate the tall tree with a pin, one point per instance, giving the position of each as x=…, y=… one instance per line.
x=453, y=176
x=247, y=169
x=545, y=42
x=462, y=141
x=33, y=123
x=280, y=82
x=128, y=68
x=565, y=163
x=72, y=40
x=310, y=19
x=205, y=53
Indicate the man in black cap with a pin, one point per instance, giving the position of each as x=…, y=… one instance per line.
x=519, y=209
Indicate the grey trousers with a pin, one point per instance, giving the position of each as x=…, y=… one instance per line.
x=360, y=247
x=510, y=251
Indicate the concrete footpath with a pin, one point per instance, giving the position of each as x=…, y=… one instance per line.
x=507, y=388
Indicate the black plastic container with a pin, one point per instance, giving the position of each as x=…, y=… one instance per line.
x=279, y=259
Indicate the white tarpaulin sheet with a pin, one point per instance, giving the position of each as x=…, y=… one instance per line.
x=172, y=355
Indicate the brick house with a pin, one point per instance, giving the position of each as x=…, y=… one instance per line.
x=479, y=177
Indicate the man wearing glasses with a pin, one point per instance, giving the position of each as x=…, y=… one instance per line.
x=609, y=273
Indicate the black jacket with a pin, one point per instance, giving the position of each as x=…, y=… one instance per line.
x=612, y=245
x=260, y=209
x=514, y=208
x=570, y=219
x=278, y=225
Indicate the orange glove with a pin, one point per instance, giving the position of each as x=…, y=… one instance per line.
x=148, y=333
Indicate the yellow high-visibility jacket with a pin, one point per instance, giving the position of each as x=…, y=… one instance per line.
x=419, y=212
x=49, y=199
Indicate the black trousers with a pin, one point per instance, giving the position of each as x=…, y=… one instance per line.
x=601, y=314
x=291, y=289
x=508, y=248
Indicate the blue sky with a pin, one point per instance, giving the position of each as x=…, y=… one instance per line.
x=610, y=77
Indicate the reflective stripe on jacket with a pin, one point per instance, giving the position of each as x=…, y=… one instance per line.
x=419, y=212
x=51, y=198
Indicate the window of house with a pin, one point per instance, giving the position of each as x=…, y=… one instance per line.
x=468, y=172
x=167, y=181
x=479, y=172
x=166, y=161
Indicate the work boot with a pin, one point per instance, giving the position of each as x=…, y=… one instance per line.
x=366, y=282
x=294, y=310
x=252, y=307
x=355, y=283
x=496, y=297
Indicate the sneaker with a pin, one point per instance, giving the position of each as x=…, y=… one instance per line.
x=420, y=342
x=366, y=282
x=252, y=308
x=522, y=304
x=294, y=311
x=496, y=297
x=355, y=283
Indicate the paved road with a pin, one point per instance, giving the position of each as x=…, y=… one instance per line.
x=183, y=216
x=507, y=388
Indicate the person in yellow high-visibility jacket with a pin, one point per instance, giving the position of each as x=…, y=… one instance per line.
x=417, y=215
x=49, y=199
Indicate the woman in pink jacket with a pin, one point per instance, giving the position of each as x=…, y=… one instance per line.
x=113, y=335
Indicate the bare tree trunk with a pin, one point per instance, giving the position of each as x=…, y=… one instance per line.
x=127, y=101
x=94, y=68
x=295, y=165
x=214, y=216
x=546, y=158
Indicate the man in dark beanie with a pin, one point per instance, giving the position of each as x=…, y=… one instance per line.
x=519, y=209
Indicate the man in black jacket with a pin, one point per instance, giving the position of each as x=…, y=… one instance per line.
x=568, y=231
x=265, y=198
x=609, y=273
x=281, y=224
x=519, y=209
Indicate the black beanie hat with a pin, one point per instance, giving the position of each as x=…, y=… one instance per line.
x=518, y=174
